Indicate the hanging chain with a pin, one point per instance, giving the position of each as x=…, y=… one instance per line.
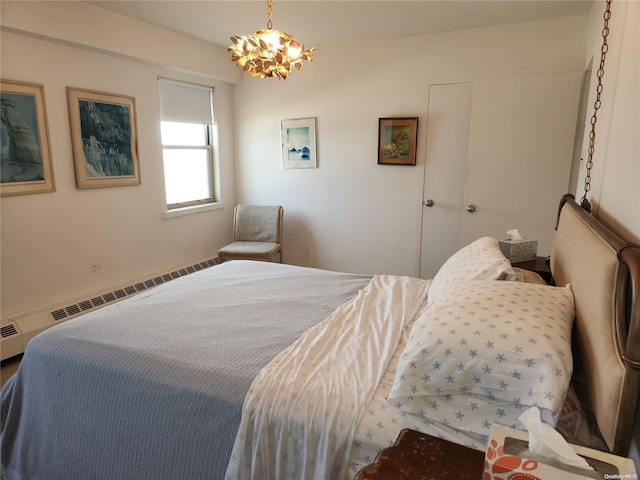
x=269, y=13
x=594, y=118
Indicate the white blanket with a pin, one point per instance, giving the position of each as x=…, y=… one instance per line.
x=301, y=412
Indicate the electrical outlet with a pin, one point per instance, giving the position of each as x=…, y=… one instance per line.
x=96, y=267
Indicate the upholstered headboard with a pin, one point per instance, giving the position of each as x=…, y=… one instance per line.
x=604, y=273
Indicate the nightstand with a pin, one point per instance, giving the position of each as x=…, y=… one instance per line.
x=418, y=456
x=539, y=265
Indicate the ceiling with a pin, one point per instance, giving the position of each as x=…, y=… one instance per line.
x=324, y=22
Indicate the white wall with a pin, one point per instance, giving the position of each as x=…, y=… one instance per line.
x=615, y=192
x=48, y=239
x=351, y=213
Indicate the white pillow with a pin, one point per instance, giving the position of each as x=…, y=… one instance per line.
x=484, y=352
x=480, y=260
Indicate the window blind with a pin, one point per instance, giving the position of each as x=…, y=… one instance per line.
x=184, y=102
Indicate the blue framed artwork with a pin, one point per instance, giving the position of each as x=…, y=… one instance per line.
x=104, y=138
x=298, y=143
x=397, y=139
x=25, y=151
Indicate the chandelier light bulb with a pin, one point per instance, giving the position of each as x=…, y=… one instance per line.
x=294, y=50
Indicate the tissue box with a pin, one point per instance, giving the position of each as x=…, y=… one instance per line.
x=519, y=250
x=507, y=457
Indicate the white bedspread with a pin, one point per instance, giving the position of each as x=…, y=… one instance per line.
x=301, y=412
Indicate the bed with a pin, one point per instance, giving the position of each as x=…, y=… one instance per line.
x=270, y=371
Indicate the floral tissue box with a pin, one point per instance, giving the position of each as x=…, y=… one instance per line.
x=508, y=458
x=519, y=250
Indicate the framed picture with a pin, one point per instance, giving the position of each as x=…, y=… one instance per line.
x=397, y=138
x=25, y=154
x=298, y=143
x=104, y=138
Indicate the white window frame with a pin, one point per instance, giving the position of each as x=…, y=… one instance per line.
x=184, y=116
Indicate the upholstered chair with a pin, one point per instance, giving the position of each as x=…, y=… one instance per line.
x=257, y=234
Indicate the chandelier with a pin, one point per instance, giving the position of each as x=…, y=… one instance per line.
x=269, y=53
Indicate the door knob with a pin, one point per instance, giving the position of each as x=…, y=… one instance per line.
x=471, y=208
x=428, y=203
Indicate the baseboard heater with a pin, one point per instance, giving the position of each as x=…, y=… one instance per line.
x=16, y=332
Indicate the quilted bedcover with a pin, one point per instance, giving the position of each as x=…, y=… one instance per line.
x=153, y=387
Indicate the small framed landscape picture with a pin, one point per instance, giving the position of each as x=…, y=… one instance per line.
x=104, y=138
x=298, y=143
x=25, y=158
x=397, y=138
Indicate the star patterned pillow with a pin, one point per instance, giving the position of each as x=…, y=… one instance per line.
x=480, y=260
x=484, y=352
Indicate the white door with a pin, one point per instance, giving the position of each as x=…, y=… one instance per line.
x=518, y=160
x=520, y=150
x=448, y=121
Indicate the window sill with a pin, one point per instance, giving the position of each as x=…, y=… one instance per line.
x=179, y=212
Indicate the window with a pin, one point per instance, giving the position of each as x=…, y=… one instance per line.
x=187, y=143
x=188, y=165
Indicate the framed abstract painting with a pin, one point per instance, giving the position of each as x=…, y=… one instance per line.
x=397, y=139
x=298, y=143
x=25, y=158
x=104, y=138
